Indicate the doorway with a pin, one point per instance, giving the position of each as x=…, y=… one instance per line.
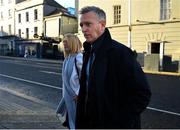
x=155, y=48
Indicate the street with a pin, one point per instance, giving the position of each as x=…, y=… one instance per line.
x=164, y=109
x=30, y=90
x=36, y=78
x=39, y=81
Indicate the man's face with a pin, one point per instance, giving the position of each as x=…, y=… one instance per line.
x=91, y=26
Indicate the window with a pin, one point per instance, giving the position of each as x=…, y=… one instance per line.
x=165, y=12
x=9, y=13
x=1, y=2
x=19, y=18
x=1, y=31
x=27, y=33
x=19, y=32
x=10, y=30
x=27, y=16
x=117, y=14
x=1, y=28
x=1, y=16
x=35, y=30
x=35, y=14
x=9, y=1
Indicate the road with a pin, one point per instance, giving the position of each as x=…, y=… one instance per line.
x=40, y=81
x=164, y=109
x=30, y=90
x=37, y=78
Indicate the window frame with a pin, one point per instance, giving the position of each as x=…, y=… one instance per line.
x=9, y=13
x=2, y=2
x=2, y=29
x=19, y=18
x=19, y=32
x=36, y=30
x=35, y=14
x=2, y=17
x=27, y=33
x=10, y=29
x=165, y=9
x=117, y=14
x=27, y=16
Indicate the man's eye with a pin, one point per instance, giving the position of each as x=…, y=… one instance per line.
x=81, y=24
x=85, y=24
x=88, y=24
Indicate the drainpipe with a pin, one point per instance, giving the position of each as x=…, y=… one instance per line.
x=129, y=24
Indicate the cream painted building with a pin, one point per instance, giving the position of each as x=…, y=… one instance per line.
x=30, y=16
x=153, y=25
x=22, y=27
x=59, y=23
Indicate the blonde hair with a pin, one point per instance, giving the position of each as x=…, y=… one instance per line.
x=74, y=44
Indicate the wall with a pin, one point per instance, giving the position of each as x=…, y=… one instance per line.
x=52, y=27
x=6, y=21
x=146, y=27
x=69, y=25
x=32, y=23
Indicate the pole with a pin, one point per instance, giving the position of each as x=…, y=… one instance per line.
x=129, y=24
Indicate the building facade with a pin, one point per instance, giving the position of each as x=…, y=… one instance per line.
x=59, y=23
x=7, y=30
x=29, y=16
x=7, y=8
x=22, y=28
x=147, y=26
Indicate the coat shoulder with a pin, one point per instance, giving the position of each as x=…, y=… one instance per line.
x=121, y=49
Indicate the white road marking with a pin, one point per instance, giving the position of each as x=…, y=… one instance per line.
x=29, y=81
x=32, y=65
x=54, y=65
x=164, y=111
x=50, y=72
x=50, y=86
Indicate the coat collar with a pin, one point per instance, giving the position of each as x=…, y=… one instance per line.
x=102, y=42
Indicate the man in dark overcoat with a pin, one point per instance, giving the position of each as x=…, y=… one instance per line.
x=114, y=90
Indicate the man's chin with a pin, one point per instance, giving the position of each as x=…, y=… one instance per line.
x=88, y=40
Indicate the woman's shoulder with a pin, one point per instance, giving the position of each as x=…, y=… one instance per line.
x=79, y=55
x=79, y=58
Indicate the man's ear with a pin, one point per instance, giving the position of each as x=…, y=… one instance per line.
x=103, y=22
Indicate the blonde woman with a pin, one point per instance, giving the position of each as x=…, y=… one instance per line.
x=70, y=75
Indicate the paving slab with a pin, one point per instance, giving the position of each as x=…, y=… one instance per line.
x=18, y=111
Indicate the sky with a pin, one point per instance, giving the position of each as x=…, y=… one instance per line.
x=66, y=3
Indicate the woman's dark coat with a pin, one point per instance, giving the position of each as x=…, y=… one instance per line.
x=118, y=91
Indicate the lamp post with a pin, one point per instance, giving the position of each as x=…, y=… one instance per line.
x=129, y=24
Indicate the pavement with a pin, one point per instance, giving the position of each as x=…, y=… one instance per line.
x=18, y=111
